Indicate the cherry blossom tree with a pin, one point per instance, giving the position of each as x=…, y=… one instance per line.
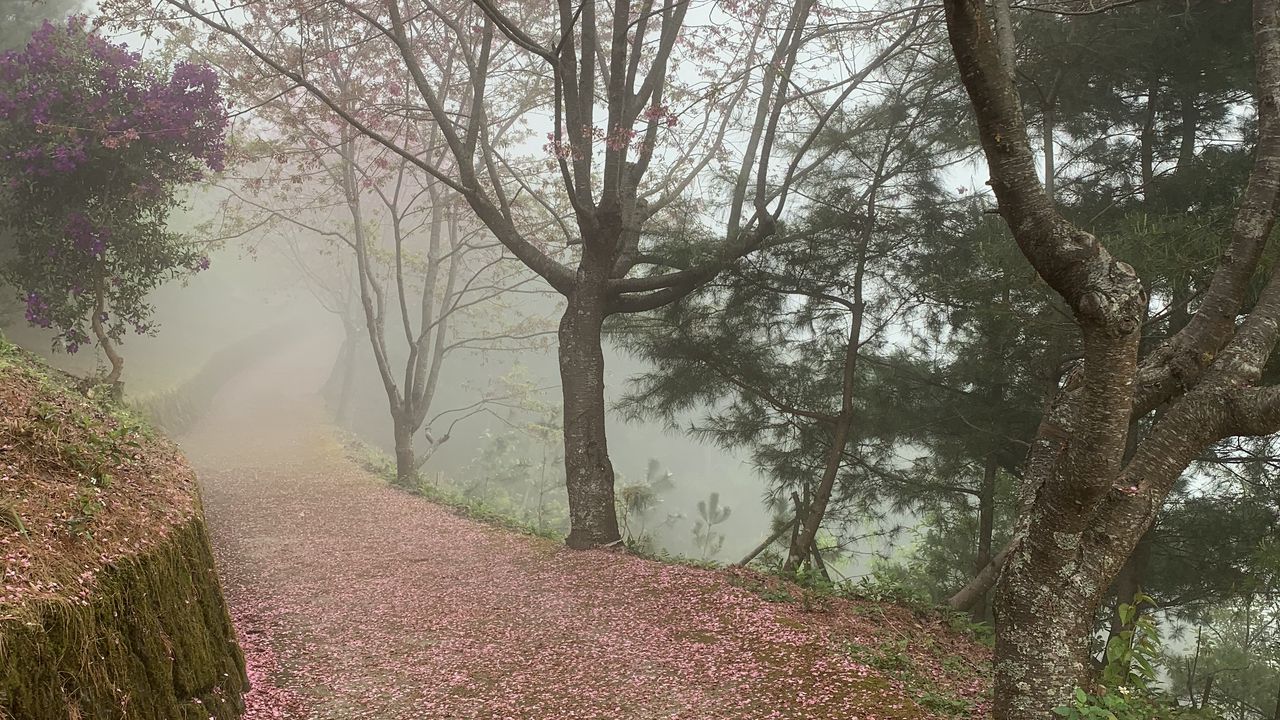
x=1123, y=426
x=641, y=102
x=429, y=281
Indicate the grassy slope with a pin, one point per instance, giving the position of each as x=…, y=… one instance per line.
x=109, y=605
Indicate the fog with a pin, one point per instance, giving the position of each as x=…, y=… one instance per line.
x=253, y=288
x=698, y=360
x=262, y=281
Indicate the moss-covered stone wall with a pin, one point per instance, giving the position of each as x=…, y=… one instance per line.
x=154, y=641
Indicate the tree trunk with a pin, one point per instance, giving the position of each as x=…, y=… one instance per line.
x=1148, y=142
x=768, y=541
x=1089, y=507
x=977, y=589
x=406, y=474
x=593, y=518
x=797, y=506
x=991, y=464
x=1275, y=715
x=1044, y=619
x=816, y=509
x=818, y=562
x=1002, y=17
x=1190, y=125
x=986, y=528
x=104, y=341
x=1050, y=164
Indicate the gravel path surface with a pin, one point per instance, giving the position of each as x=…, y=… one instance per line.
x=355, y=600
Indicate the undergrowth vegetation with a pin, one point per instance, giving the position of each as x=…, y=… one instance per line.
x=928, y=650
x=380, y=464
x=1128, y=683
x=109, y=607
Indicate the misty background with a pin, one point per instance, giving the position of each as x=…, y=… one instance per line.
x=252, y=289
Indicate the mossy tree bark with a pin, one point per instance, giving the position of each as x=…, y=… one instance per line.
x=1091, y=494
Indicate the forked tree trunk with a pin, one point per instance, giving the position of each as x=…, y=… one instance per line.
x=593, y=518
x=806, y=539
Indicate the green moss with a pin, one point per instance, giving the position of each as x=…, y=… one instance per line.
x=892, y=659
x=155, y=642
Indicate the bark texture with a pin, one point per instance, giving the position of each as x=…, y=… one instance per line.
x=1091, y=492
x=406, y=470
x=588, y=470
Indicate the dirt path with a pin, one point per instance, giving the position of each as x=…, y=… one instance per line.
x=355, y=600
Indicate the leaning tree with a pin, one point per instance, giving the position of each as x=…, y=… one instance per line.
x=640, y=101
x=1089, y=489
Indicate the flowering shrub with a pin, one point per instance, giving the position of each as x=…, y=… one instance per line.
x=94, y=144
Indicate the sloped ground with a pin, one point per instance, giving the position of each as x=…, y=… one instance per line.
x=79, y=486
x=355, y=600
x=109, y=603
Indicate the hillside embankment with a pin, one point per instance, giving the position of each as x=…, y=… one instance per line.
x=110, y=605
